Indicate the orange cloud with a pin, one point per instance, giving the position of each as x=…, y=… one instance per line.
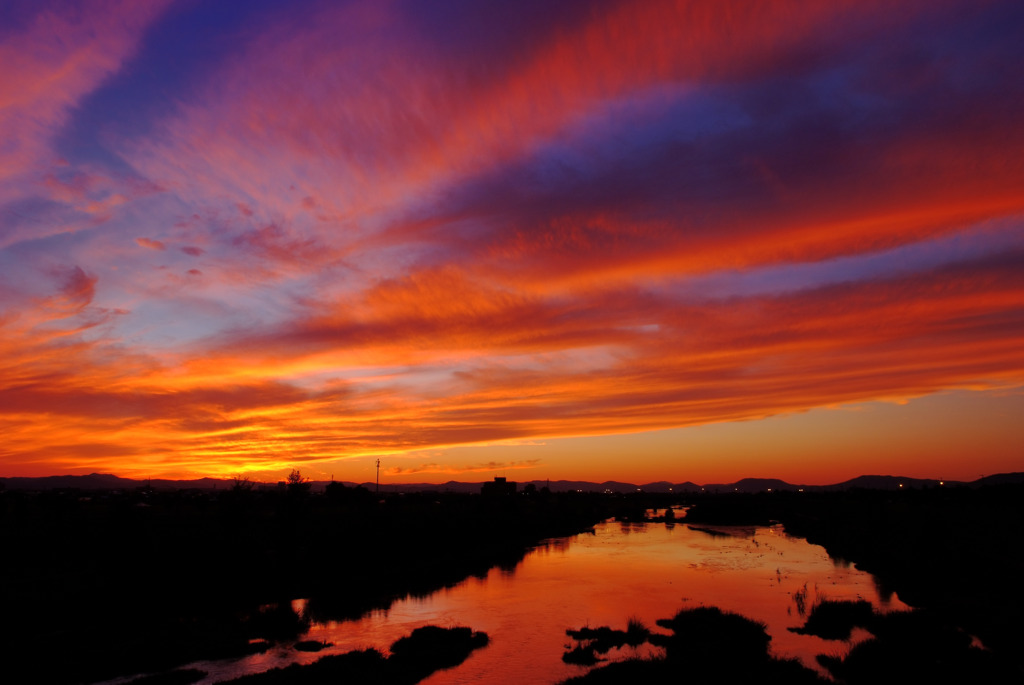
x=404, y=249
x=150, y=244
x=456, y=470
x=707, y=362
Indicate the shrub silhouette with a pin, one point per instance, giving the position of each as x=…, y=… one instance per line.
x=835, y=620
x=710, y=634
x=432, y=648
x=916, y=647
x=707, y=645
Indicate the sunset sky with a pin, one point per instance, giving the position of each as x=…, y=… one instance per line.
x=588, y=240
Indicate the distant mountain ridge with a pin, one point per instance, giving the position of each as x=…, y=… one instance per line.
x=106, y=481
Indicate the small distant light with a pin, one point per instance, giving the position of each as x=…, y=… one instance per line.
x=769, y=489
x=942, y=482
x=901, y=485
x=800, y=490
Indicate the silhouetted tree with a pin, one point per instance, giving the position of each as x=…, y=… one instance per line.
x=242, y=484
x=297, y=483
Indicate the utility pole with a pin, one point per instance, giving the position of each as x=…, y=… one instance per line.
x=378, y=476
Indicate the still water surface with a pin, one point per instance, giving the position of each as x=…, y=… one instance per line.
x=647, y=571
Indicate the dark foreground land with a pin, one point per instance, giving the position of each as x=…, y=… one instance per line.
x=95, y=585
x=706, y=646
x=952, y=553
x=956, y=552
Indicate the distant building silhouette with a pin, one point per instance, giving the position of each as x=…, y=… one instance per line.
x=498, y=488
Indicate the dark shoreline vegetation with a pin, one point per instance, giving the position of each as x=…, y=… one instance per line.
x=119, y=583
x=706, y=646
x=103, y=584
x=953, y=551
x=413, y=658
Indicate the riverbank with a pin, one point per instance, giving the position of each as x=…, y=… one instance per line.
x=412, y=658
x=954, y=552
x=99, y=585
x=127, y=583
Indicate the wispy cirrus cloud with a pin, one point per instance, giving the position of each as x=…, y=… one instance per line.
x=55, y=59
x=693, y=363
x=488, y=467
x=370, y=229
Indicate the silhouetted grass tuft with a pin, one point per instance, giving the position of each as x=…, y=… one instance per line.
x=636, y=632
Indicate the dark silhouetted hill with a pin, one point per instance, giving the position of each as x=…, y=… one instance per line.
x=752, y=485
x=94, y=481
x=886, y=483
x=1000, y=479
x=106, y=481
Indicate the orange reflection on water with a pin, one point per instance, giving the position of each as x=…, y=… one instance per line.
x=620, y=572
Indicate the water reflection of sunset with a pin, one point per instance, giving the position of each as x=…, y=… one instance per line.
x=662, y=240
x=620, y=572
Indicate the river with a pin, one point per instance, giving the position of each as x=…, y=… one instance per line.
x=621, y=571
